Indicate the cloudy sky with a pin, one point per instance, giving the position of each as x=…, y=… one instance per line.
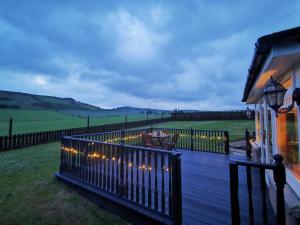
x=168, y=54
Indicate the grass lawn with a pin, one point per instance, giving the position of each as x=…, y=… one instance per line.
x=236, y=128
x=26, y=121
x=30, y=194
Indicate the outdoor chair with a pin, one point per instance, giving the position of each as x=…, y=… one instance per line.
x=170, y=146
x=147, y=141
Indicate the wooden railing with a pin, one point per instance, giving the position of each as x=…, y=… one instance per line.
x=279, y=178
x=35, y=138
x=149, y=179
x=200, y=140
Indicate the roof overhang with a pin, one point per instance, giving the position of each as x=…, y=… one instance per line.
x=277, y=66
x=274, y=55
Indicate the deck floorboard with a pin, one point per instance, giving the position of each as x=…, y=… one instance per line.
x=206, y=190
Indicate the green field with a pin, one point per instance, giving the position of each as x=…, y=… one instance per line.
x=26, y=121
x=236, y=128
x=31, y=195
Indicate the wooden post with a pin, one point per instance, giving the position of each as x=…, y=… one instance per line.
x=62, y=143
x=248, y=144
x=192, y=138
x=121, y=184
x=122, y=140
x=88, y=124
x=10, y=129
x=280, y=180
x=226, y=136
x=234, y=197
x=1, y=143
x=176, y=188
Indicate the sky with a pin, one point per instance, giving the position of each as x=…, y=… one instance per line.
x=159, y=54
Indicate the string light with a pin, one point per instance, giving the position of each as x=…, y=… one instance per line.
x=97, y=155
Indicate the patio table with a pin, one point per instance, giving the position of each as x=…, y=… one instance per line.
x=159, y=138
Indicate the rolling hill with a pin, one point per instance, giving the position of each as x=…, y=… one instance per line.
x=20, y=100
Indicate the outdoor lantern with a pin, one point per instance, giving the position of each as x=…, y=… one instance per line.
x=274, y=94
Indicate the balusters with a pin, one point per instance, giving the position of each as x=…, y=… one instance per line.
x=137, y=185
x=234, y=190
x=109, y=162
x=126, y=171
x=155, y=182
x=149, y=157
x=131, y=164
x=263, y=193
x=169, y=170
x=250, y=199
x=143, y=177
x=113, y=161
x=163, y=207
x=137, y=174
x=104, y=167
x=101, y=165
x=81, y=157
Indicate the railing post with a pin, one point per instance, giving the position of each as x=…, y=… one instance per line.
x=248, y=144
x=280, y=180
x=122, y=140
x=226, y=136
x=176, y=188
x=88, y=125
x=234, y=197
x=10, y=133
x=121, y=188
x=62, y=142
x=192, y=138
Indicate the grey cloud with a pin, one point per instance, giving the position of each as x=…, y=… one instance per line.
x=189, y=53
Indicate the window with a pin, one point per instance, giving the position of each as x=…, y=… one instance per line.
x=287, y=140
x=257, y=125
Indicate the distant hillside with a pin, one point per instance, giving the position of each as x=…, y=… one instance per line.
x=19, y=100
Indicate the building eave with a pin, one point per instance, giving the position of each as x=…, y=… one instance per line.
x=263, y=47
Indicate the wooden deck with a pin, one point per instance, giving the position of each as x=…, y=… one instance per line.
x=206, y=190
x=205, y=183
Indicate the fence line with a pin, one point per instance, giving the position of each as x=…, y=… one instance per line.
x=35, y=138
x=213, y=115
